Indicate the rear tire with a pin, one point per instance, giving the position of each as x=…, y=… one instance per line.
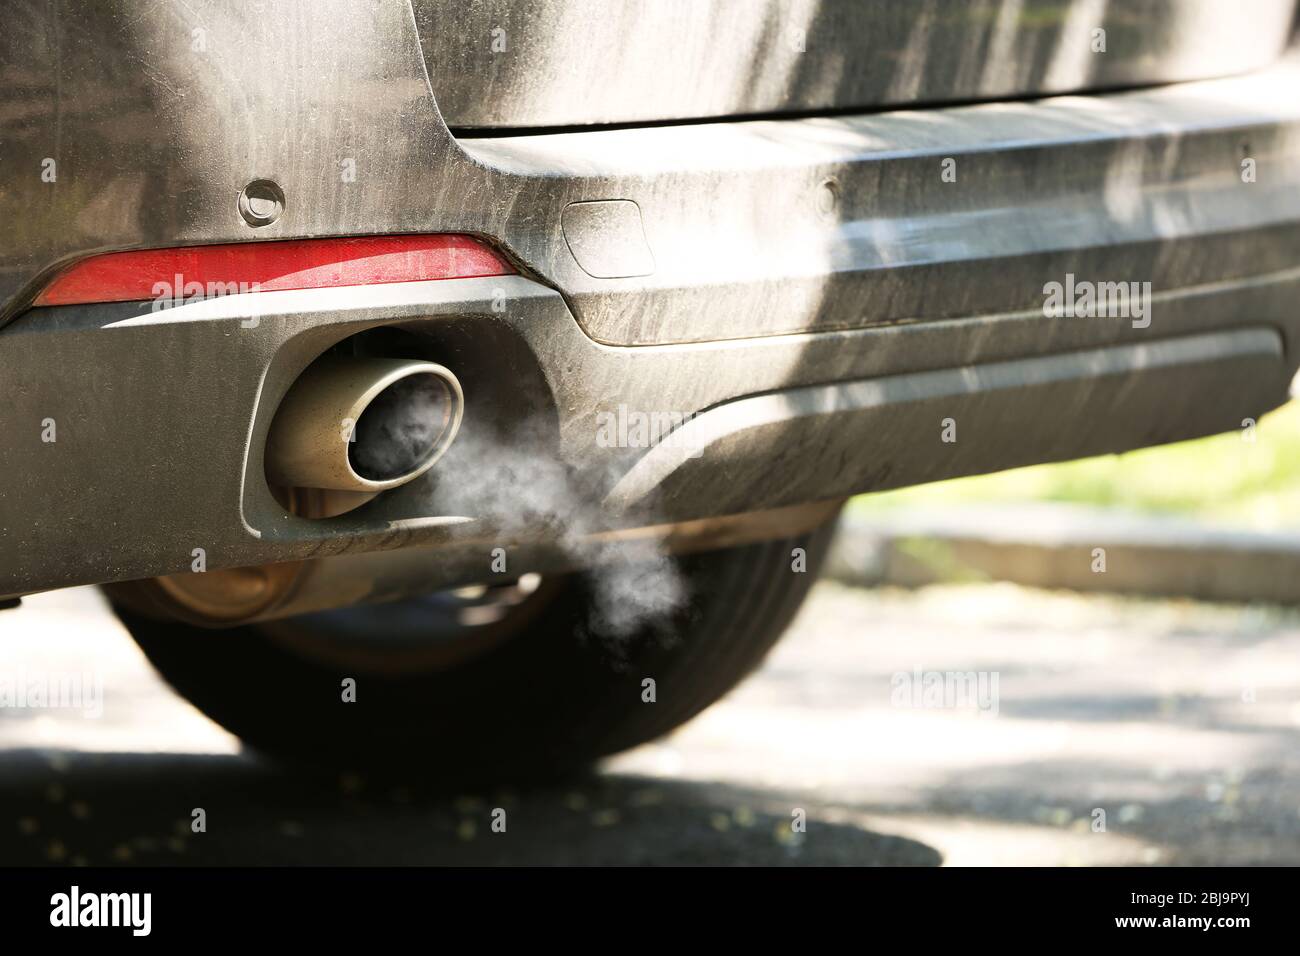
x=551, y=697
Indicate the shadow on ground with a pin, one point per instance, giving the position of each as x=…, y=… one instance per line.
x=125, y=809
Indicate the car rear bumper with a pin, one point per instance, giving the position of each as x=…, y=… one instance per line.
x=162, y=419
x=774, y=227
x=822, y=309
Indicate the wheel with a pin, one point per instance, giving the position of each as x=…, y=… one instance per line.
x=492, y=682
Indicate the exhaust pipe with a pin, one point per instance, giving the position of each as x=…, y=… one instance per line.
x=359, y=426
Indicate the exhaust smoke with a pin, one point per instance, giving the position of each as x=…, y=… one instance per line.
x=354, y=426
x=401, y=428
x=522, y=490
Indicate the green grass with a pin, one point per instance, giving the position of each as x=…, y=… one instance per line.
x=1223, y=479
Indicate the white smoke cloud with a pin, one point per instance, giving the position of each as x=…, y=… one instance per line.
x=520, y=489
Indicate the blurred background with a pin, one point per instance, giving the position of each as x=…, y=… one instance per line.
x=1245, y=481
x=1217, y=519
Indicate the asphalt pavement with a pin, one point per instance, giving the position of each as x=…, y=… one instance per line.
x=955, y=724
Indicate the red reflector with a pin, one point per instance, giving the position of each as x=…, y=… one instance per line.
x=198, y=271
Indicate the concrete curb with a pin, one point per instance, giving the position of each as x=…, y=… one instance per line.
x=1066, y=546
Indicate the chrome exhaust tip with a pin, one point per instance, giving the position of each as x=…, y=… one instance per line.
x=362, y=425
